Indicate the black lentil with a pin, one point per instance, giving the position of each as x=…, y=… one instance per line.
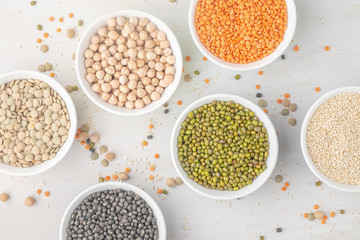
x=259, y=95
x=278, y=230
x=282, y=57
x=166, y=111
x=149, y=137
x=87, y=140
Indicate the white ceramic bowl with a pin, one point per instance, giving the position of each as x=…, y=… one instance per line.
x=291, y=24
x=310, y=163
x=81, y=70
x=17, y=171
x=108, y=186
x=270, y=161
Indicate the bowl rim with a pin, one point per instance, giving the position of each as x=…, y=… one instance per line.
x=305, y=152
x=288, y=36
x=56, y=86
x=174, y=44
x=258, y=112
x=109, y=186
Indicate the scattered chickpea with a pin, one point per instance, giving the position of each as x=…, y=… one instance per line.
x=170, y=182
x=29, y=201
x=70, y=33
x=4, y=197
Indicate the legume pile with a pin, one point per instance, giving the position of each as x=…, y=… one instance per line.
x=241, y=31
x=129, y=62
x=333, y=138
x=34, y=122
x=113, y=214
x=223, y=145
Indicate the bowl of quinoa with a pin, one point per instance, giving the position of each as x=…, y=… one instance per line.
x=330, y=138
x=242, y=35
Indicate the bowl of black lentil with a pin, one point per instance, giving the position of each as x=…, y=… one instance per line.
x=330, y=140
x=224, y=146
x=113, y=210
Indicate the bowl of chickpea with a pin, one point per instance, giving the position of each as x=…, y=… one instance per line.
x=129, y=63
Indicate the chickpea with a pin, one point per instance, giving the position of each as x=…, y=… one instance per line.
x=170, y=59
x=151, y=73
x=113, y=100
x=105, y=55
x=134, y=21
x=143, y=35
x=135, y=35
x=139, y=28
x=129, y=105
x=95, y=39
x=146, y=99
x=167, y=51
x=88, y=53
x=151, y=64
x=105, y=96
x=118, y=67
x=121, y=104
x=154, y=34
x=141, y=54
x=123, y=80
x=109, y=28
x=110, y=70
x=139, y=42
x=125, y=71
x=140, y=85
x=131, y=97
x=100, y=74
x=113, y=50
x=150, y=55
x=96, y=87
x=149, y=89
x=112, y=61
x=121, y=39
x=131, y=43
x=96, y=66
x=125, y=61
x=103, y=31
x=102, y=48
x=121, y=20
x=89, y=62
x=122, y=48
x=155, y=96
x=146, y=81
x=97, y=57
x=106, y=87
x=114, y=84
x=164, y=44
x=129, y=27
x=132, y=53
x=111, y=22
x=132, y=65
x=169, y=79
x=122, y=97
x=159, y=66
x=90, y=77
x=104, y=63
x=160, y=75
x=143, y=22
x=157, y=42
x=139, y=104
x=170, y=70
x=150, y=27
x=155, y=81
x=109, y=42
x=102, y=38
x=118, y=56
x=149, y=44
x=161, y=36
x=132, y=85
x=133, y=77
x=29, y=201
x=159, y=89
x=116, y=92
x=140, y=63
x=141, y=72
x=158, y=50
x=162, y=83
x=4, y=197
x=141, y=92
x=117, y=74
x=94, y=47
x=163, y=59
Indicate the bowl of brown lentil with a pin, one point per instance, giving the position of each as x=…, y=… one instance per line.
x=129, y=62
x=242, y=35
x=224, y=146
x=37, y=123
x=330, y=139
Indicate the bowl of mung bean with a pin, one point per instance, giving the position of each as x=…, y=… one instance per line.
x=242, y=35
x=330, y=139
x=224, y=146
x=129, y=62
x=122, y=210
x=37, y=123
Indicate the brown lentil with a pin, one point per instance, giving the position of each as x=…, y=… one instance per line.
x=292, y=121
x=293, y=107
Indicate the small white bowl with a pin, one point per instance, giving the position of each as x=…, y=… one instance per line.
x=46, y=165
x=270, y=161
x=291, y=25
x=108, y=186
x=81, y=70
x=310, y=163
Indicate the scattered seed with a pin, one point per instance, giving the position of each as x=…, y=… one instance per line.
x=94, y=138
x=257, y=86
x=262, y=238
x=71, y=15
x=279, y=100
x=260, y=72
x=94, y=156
x=80, y=23
x=306, y=215
x=287, y=184
x=319, y=215
x=44, y=48
x=127, y=170
x=103, y=149
x=283, y=189
x=123, y=176
x=70, y=33
x=75, y=88
x=39, y=27
x=316, y=206
x=32, y=3
x=69, y=88
x=29, y=201
x=52, y=74
x=110, y=156
x=164, y=191
x=284, y=112
x=73, y=56
x=293, y=107
x=207, y=81
x=4, y=197
x=317, y=89
x=144, y=143
x=61, y=19
x=282, y=57
x=318, y=183
x=327, y=48
x=179, y=181
x=187, y=58
x=292, y=121
x=278, y=179
x=179, y=102
x=237, y=77
x=262, y=103
x=259, y=95
x=311, y=217
x=104, y=163
x=51, y=19
x=41, y=68
x=332, y=214
x=149, y=137
x=204, y=59
x=187, y=78
x=265, y=110
x=296, y=48
x=170, y=182
x=156, y=156
x=286, y=102
x=101, y=179
x=166, y=111
x=165, y=105
x=287, y=95
x=48, y=66
x=45, y=35
x=92, y=150
x=278, y=230
x=342, y=211
x=47, y=194
x=197, y=72
x=85, y=128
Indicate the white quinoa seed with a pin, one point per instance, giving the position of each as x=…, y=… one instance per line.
x=333, y=138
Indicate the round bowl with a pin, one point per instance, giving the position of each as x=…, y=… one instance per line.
x=108, y=186
x=81, y=70
x=313, y=168
x=291, y=25
x=46, y=165
x=257, y=182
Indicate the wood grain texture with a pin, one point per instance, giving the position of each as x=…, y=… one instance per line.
x=320, y=23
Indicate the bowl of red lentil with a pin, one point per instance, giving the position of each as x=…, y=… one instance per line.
x=242, y=35
x=330, y=139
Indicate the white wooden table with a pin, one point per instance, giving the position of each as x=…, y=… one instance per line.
x=188, y=215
